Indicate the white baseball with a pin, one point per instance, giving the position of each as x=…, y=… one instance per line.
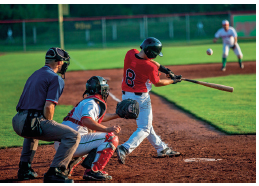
x=209, y=51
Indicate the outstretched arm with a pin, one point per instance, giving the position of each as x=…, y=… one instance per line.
x=163, y=69
x=108, y=117
x=235, y=42
x=164, y=82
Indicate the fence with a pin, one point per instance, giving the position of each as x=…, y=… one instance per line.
x=93, y=32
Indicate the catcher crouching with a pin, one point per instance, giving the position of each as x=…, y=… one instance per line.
x=96, y=148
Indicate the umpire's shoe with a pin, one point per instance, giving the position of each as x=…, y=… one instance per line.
x=168, y=153
x=56, y=175
x=25, y=171
x=121, y=153
x=90, y=175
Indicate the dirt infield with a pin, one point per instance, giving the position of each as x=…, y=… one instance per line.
x=234, y=155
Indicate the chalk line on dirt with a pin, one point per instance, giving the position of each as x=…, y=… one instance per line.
x=114, y=97
x=200, y=159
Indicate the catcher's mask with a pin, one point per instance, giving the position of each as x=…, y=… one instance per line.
x=152, y=47
x=59, y=54
x=97, y=85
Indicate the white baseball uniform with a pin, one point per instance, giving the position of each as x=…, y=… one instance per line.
x=87, y=108
x=139, y=74
x=228, y=41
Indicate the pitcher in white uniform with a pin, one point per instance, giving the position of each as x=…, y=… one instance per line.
x=229, y=37
x=95, y=148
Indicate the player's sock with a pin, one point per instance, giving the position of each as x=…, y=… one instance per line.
x=240, y=63
x=224, y=61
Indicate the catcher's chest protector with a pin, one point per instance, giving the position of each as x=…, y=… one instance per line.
x=102, y=104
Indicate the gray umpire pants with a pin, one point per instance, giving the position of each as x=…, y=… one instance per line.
x=51, y=131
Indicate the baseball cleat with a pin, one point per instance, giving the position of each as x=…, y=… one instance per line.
x=55, y=175
x=223, y=69
x=25, y=171
x=96, y=176
x=121, y=153
x=168, y=153
x=241, y=65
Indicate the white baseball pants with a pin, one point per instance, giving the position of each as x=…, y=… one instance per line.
x=144, y=123
x=237, y=51
x=88, y=142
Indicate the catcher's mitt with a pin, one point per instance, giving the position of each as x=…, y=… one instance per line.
x=128, y=109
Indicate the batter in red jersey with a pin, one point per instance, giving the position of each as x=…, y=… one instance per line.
x=140, y=72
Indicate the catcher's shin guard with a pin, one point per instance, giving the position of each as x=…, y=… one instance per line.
x=105, y=151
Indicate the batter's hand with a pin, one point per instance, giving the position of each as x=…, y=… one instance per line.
x=114, y=129
x=170, y=73
x=169, y=76
x=177, y=78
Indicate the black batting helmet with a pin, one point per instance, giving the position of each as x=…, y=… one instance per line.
x=152, y=47
x=97, y=85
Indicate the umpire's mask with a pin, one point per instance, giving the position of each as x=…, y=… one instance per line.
x=59, y=54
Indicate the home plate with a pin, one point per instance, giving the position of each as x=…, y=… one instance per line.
x=200, y=159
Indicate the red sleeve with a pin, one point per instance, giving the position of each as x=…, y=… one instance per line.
x=154, y=74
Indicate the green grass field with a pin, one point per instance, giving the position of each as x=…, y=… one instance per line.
x=15, y=68
x=232, y=113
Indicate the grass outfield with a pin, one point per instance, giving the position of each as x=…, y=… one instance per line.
x=233, y=113
x=113, y=58
x=15, y=68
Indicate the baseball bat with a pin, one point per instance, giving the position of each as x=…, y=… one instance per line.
x=211, y=85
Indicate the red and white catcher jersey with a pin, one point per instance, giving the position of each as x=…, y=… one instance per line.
x=139, y=74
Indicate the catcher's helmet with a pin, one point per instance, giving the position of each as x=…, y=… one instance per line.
x=152, y=47
x=97, y=85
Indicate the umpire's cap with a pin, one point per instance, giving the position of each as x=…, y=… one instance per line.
x=152, y=47
x=57, y=54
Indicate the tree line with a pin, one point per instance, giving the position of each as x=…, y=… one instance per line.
x=39, y=11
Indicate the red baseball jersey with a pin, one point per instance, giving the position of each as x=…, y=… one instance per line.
x=139, y=74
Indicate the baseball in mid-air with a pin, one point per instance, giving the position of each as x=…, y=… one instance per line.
x=209, y=51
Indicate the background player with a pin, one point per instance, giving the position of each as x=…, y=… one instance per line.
x=139, y=75
x=229, y=37
x=33, y=121
x=100, y=145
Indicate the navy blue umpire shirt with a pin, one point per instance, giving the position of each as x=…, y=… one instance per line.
x=43, y=85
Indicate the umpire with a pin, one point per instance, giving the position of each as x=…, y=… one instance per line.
x=33, y=120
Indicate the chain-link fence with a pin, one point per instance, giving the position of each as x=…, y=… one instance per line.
x=29, y=35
